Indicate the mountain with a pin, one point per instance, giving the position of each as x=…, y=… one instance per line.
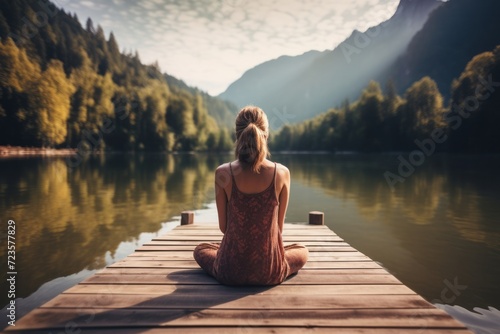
x=303, y=86
x=224, y=112
x=454, y=33
x=262, y=79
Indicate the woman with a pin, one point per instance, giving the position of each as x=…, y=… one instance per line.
x=252, y=197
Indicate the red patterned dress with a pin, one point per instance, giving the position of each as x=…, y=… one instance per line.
x=251, y=251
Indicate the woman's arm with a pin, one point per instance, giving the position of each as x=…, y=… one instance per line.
x=221, y=181
x=284, y=175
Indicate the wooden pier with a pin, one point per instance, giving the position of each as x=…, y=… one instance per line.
x=161, y=288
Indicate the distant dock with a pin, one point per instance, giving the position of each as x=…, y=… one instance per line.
x=161, y=288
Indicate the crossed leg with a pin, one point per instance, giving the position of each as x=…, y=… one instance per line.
x=205, y=254
x=296, y=255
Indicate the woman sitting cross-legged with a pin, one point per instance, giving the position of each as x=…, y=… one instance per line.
x=252, y=198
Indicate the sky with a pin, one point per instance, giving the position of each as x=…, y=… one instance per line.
x=210, y=43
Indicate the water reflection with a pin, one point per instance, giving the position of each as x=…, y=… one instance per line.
x=67, y=219
x=467, y=194
x=439, y=225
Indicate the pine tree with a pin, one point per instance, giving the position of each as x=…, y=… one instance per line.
x=89, y=26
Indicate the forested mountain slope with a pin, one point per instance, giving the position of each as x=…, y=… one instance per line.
x=64, y=85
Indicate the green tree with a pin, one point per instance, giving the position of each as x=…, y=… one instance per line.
x=114, y=54
x=474, y=115
x=390, y=131
x=422, y=112
x=180, y=119
x=370, y=115
x=153, y=134
x=91, y=104
x=18, y=78
x=17, y=70
x=51, y=104
x=89, y=26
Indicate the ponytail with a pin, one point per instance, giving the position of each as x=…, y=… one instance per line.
x=251, y=137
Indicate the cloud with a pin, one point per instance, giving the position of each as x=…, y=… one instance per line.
x=210, y=43
x=89, y=4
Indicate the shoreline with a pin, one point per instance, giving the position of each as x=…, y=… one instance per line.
x=21, y=151
x=8, y=151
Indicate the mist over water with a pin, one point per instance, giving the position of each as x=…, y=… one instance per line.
x=437, y=232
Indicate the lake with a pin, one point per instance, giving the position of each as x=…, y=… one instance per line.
x=438, y=232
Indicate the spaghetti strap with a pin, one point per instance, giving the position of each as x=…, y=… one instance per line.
x=274, y=181
x=231, y=169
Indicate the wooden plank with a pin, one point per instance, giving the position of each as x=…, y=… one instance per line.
x=195, y=243
x=149, y=248
x=312, y=254
x=280, y=302
x=207, y=238
x=329, y=247
x=189, y=254
x=174, y=272
x=192, y=264
x=97, y=317
x=287, y=232
x=287, y=226
x=359, y=258
x=218, y=235
x=276, y=329
x=200, y=278
x=310, y=260
x=206, y=290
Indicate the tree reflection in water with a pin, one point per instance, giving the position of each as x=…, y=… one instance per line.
x=440, y=224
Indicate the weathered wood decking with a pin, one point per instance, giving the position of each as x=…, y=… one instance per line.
x=160, y=287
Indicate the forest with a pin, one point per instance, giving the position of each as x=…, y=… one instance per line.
x=64, y=85
x=381, y=120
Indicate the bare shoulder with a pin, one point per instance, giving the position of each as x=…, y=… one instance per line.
x=283, y=171
x=282, y=168
x=223, y=175
x=222, y=168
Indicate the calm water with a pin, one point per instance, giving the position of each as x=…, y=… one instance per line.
x=439, y=228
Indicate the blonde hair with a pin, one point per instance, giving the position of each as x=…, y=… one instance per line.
x=252, y=130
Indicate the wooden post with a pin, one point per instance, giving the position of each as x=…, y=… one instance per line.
x=187, y=217
x=316, y=218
